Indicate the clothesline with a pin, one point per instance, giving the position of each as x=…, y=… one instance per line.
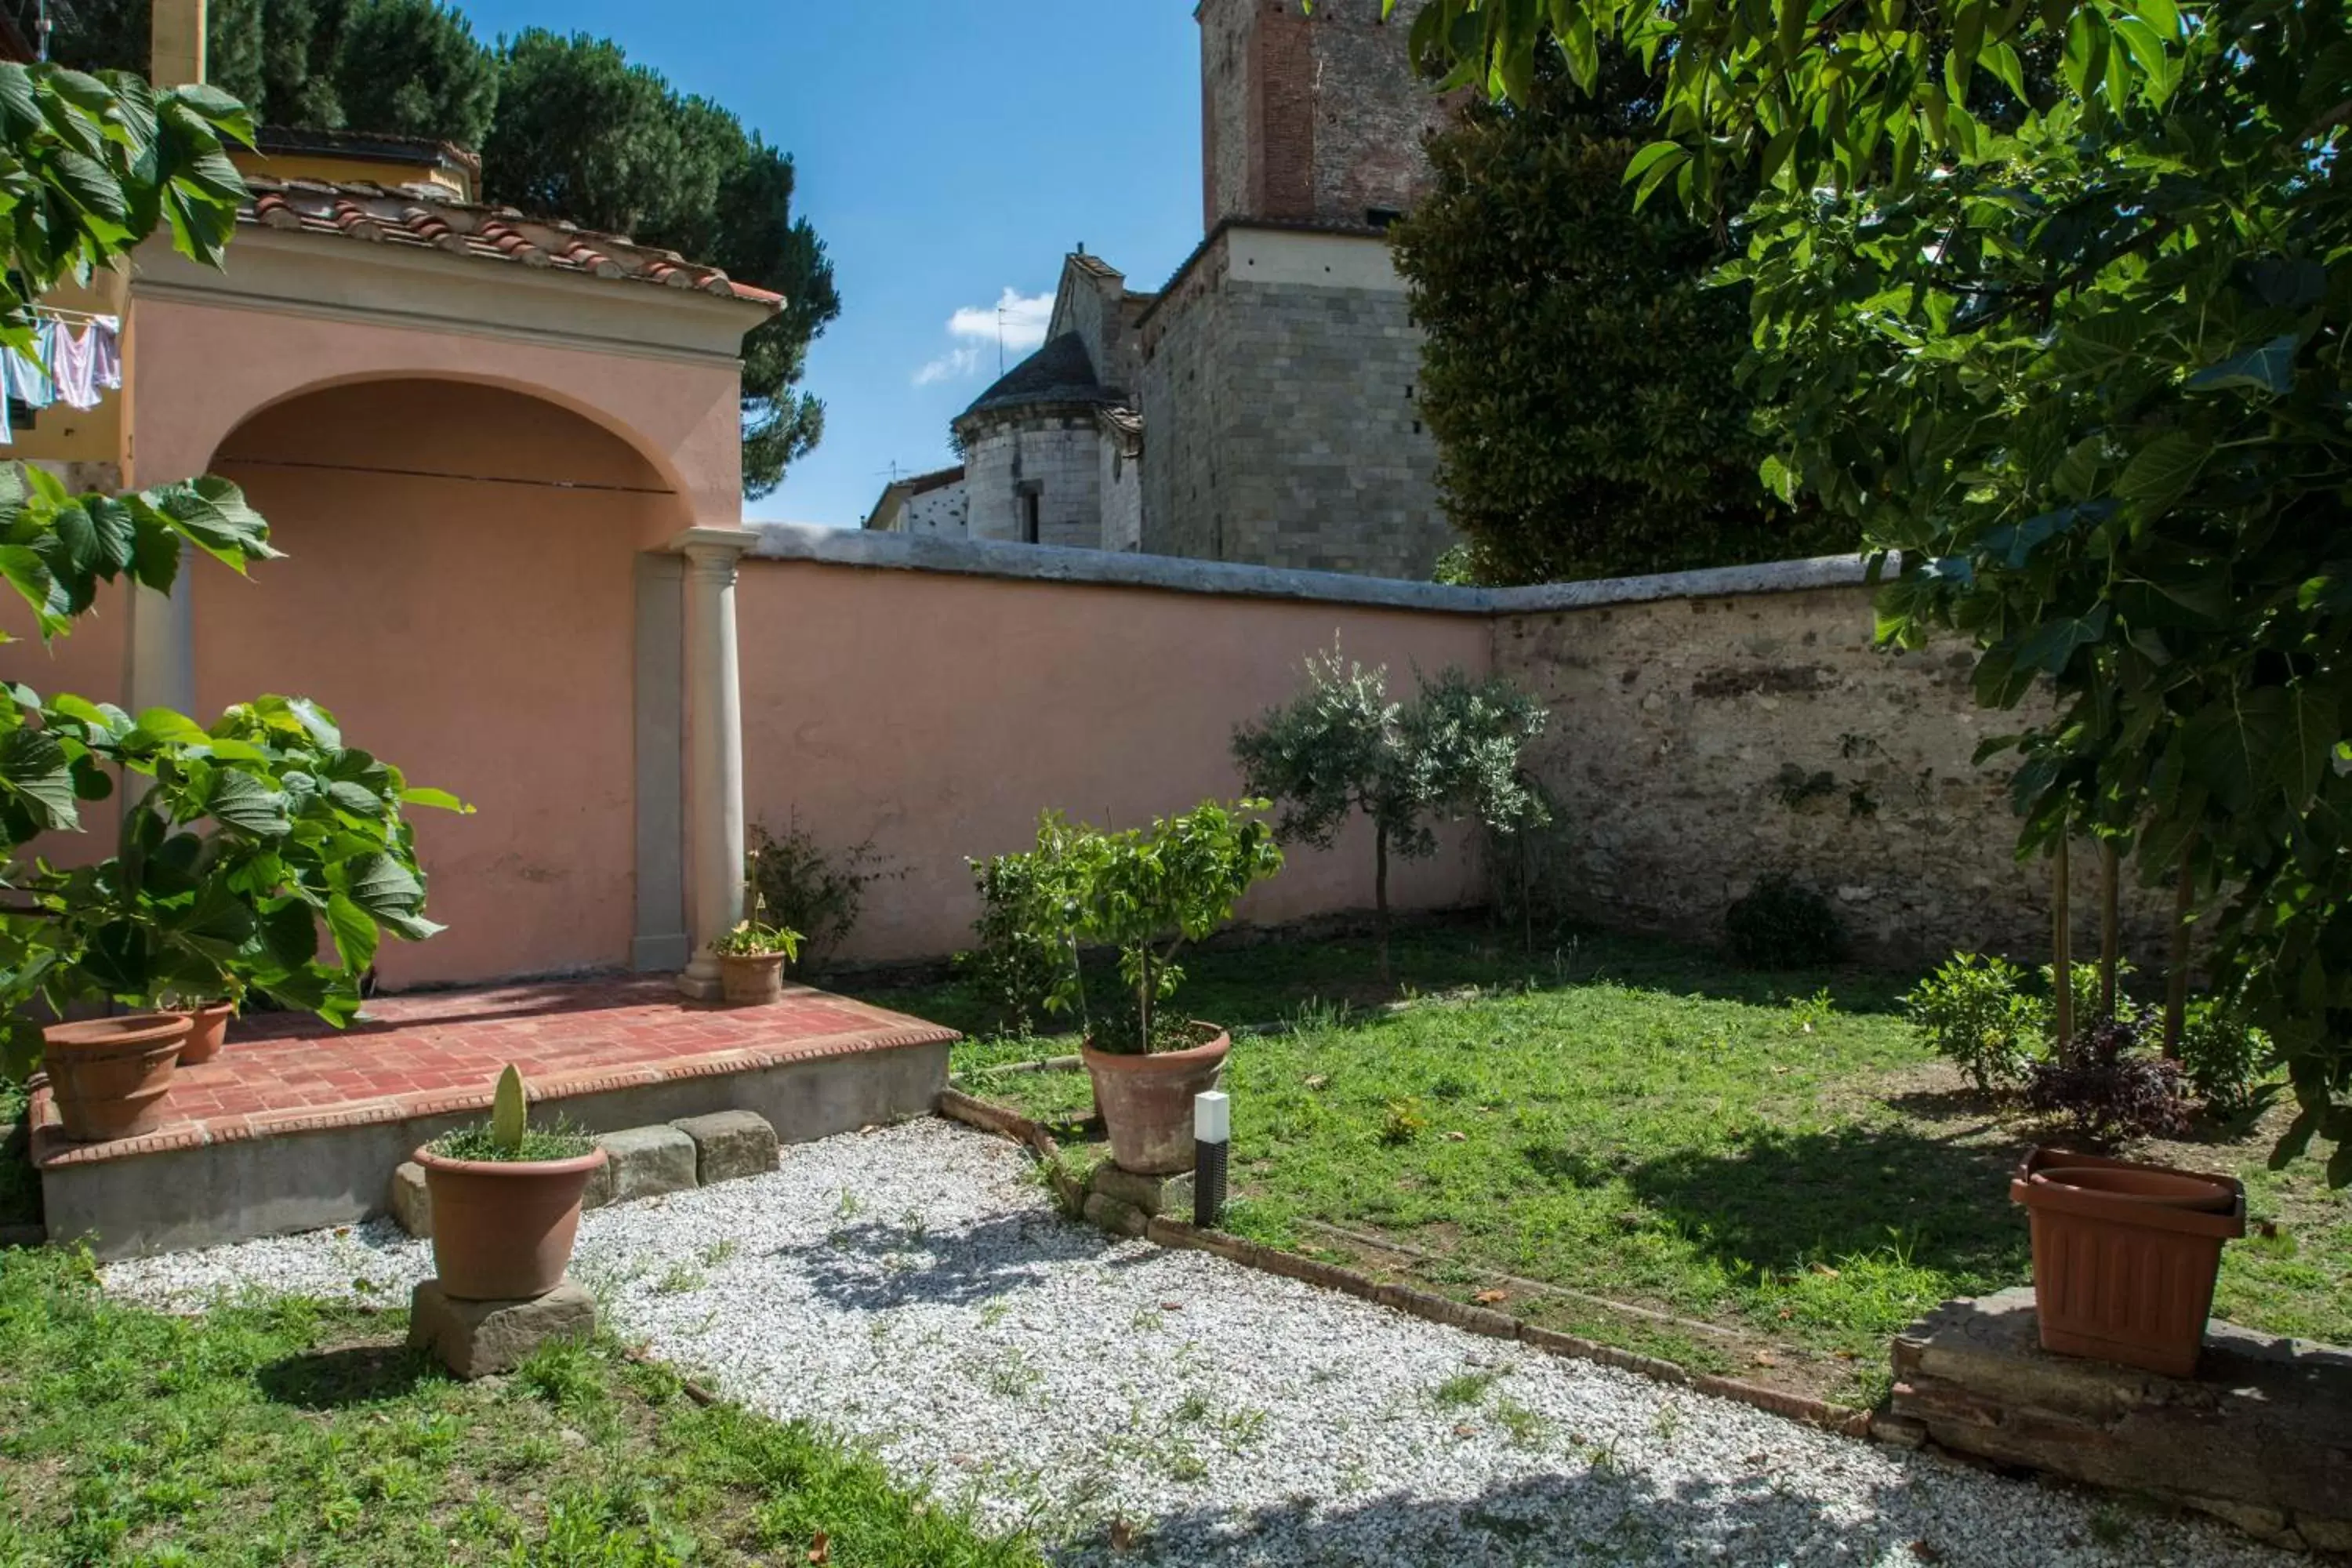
x=67, y=367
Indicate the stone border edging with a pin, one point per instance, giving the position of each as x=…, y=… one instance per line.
x=1183, y=574
x=1844, y=1420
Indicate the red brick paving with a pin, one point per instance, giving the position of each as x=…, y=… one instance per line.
x=442, y=1052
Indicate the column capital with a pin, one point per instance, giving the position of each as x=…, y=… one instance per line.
x=713, y=547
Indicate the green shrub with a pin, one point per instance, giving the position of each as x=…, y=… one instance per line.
x=2223, y=1054
x=1973, y=1013
x=807, y=889
x=1020, y=955
x=1782, y=925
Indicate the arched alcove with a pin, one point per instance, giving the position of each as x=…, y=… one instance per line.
x=459, y=589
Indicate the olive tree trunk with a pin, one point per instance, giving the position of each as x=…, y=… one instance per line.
x=2176, y=971
x=2062, y=950
x=2110, y=922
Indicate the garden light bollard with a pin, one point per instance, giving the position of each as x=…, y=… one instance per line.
x=1212, y=1137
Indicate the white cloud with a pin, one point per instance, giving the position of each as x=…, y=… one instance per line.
x=1020, y=318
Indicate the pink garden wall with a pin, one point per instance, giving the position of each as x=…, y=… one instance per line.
x=938, y=712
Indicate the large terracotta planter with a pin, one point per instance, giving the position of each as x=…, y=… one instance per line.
x=502, y=1230
x=751, y=980
x=2126, y=1255
x=1147, y=1101
x=207, y=1031
x=108, y=1076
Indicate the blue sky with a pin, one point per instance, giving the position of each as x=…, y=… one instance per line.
x=949, y=150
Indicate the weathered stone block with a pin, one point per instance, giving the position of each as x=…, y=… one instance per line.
x=1111, y=1214
x=643, y=1162
x=730, y=1145
x=2326, y=1535
x=1169, y=1195
x=411, y=1200
x=483, y=1339
x=2262, y=1436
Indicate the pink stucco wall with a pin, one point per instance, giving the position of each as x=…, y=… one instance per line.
x=938, y=713
x=476, y=631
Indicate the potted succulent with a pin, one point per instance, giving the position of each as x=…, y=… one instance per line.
x=752, y=956
x=2126, y=1256
x=1146, y=893
x=506, y=1201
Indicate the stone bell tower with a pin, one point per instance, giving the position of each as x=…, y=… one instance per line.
x=1311, y=117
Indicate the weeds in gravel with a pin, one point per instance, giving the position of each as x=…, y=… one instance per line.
x=1463, y=1388
x=286, y=1431
x=682, y=1280
x=1528, y=1430
x=718, y=1252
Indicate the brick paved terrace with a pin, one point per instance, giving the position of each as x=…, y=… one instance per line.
x=296, y=1124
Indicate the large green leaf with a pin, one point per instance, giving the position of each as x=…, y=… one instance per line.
x=243, y=802
x=354, y=931
x=36, y=773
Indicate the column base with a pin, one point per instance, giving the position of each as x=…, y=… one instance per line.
x=699, y=987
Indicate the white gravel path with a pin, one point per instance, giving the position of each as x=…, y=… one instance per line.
x=913, y=1289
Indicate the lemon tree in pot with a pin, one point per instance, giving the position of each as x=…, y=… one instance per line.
x=506, y=1201
x=1146, y=893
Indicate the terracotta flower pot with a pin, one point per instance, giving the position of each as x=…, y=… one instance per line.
x=108, y=1075
x=2126, y=1256
x=751, y=980
x=1147, y=1101
x=207, y=1031
x=502, y=1230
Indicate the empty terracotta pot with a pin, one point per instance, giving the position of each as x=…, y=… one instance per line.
x=2126, y=1256
x=109, y=1077
x=751, y=980
x=207, y=1031
x=1147, y=1101
x=502, y=1230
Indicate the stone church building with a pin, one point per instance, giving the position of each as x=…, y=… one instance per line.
x=1260, y=407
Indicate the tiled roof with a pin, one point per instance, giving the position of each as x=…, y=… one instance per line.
x=1061, y=371
x=426, y=217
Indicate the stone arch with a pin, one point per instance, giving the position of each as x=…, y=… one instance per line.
x=459, y=588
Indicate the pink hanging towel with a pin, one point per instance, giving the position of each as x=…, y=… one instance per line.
x=73, y=365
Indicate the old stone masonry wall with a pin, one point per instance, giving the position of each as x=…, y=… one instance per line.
x=1698, y=743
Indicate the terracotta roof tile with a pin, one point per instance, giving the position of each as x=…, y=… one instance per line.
x=428, y=216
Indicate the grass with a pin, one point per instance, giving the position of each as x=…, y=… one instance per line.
x=1758, y=1175
x=290, y=1432
x=20, y=1187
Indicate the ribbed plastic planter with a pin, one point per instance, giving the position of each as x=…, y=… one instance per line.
x=2126, y=1256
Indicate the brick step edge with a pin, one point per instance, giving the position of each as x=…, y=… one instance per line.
x=1844, y=1420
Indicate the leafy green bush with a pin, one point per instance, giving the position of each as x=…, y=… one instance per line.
x=2223, y=1054
x=1782, y=925
x=807, y=889
x=1021, y=952
x=1972, y=1011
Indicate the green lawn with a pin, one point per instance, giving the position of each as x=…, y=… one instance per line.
x=1775, y=1157
x=295, y=1433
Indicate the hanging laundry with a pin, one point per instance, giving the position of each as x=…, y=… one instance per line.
x=106, y=351
x=22, y=376
x=73, y=363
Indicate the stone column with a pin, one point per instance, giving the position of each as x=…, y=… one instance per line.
x=159, y=662
x=714, y=753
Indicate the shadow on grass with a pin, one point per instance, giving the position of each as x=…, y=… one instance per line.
x=1780, y=1202
x=355, y=1374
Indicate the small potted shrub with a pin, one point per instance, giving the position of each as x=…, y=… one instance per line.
x=751, y=959
x=506, y=1201
x=1146, y=893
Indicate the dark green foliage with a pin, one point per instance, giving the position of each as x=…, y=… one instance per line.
x=1973, y=1011
x=1020, y=958
x=1579, y=369
x=2224, y=1054
x=806, y=888
x=567, y=128
x=559, y=1142
x=2111, y=1086
x=1781, y=924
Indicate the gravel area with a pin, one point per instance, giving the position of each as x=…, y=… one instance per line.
x=913, y=1289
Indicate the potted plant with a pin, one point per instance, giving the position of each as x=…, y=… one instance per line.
x=2126, y=1256
x=1146, y=893
x=752, y=956
x=506, y=1201
x=109, y=1077
x=208, y=1024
